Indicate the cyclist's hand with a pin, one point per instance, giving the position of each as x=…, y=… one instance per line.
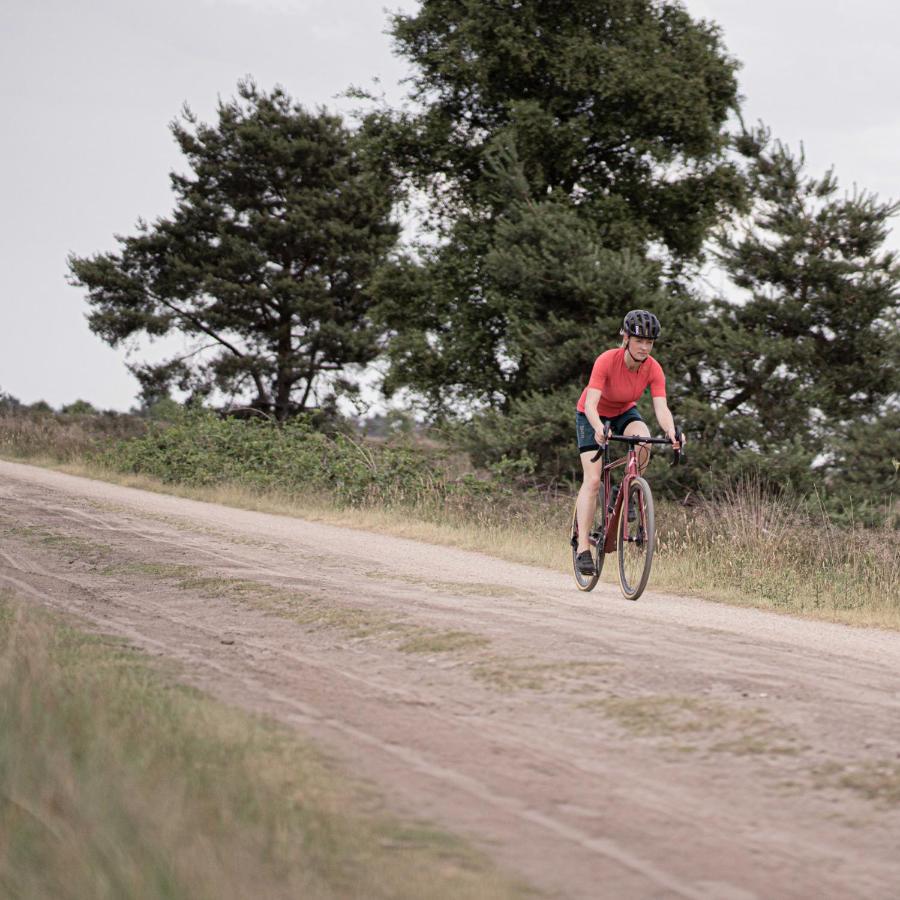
x=601, y=436
x=676, y=443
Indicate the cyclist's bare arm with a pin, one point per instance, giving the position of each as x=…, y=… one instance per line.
x=666, y=421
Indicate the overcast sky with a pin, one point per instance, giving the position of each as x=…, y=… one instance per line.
x=88, y=88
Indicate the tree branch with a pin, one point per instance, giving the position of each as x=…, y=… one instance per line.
x=202, y=326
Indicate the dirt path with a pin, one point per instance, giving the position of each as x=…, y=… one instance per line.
x=668, y=748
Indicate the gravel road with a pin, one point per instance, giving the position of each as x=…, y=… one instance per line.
x=671, y=747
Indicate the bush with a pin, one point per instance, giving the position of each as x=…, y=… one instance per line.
x=291, y=458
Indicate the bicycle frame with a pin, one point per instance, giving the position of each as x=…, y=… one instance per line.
x=611, y=516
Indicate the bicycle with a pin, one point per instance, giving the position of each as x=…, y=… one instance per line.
x=615, y=528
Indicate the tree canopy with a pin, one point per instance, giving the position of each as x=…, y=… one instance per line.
x=576, y=159
x=265, y=262
x=618, y=105
x=813, y=342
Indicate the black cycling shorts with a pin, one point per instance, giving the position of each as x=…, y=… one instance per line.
x=584, y=431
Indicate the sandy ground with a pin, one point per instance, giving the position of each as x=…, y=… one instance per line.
x=666, y=748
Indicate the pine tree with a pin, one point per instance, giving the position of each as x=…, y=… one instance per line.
x=814, y=361
x=263, y=265
x=575, y=158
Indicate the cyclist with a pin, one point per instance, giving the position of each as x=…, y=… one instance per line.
x=618, y=379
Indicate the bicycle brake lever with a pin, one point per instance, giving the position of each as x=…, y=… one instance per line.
x=677, y=455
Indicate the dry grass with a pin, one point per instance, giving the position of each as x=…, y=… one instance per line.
x=702, y=722
x=878, y=780
x=54, y=438
x=748, y=547
x=116, y=782
x=311, y=611
x=507, y=674
x=443, y=642
x=753, y=549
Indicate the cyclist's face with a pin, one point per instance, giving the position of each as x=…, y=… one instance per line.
x=639, y=347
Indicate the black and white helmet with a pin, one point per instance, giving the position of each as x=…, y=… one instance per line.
x=640, y=323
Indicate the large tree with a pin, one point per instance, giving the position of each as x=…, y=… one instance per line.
x=617, y=104
x=264, y=264
x=812, y=368
x=574, y=158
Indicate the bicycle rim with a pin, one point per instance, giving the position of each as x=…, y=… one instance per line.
x=589, y=582
x=636, y=540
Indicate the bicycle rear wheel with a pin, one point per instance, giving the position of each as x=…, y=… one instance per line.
x=596, y=539
x=637, y=540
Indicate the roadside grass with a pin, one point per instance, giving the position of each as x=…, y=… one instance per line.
x=115, y=781
x=42, y=438
x=746, y=549
x=748, y=546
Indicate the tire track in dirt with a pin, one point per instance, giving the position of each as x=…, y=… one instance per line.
x=571, y=796
x=304, y=714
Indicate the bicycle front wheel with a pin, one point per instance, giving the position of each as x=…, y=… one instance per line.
x=636, y=539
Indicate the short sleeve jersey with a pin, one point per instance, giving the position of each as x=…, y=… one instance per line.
x=619, y=387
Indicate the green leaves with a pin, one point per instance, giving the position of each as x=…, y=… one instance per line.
x=264, y=263
x=574, y=154
x=823, y=301
x=601, y=97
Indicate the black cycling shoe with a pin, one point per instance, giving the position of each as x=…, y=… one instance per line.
x=585, y=563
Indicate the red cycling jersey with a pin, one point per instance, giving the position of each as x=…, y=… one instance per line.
x=620, y=387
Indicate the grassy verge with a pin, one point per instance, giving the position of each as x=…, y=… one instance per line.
x=749, y=547
x=746, y=549
x=117, y=782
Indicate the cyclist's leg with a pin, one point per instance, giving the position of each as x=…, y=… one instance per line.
x=630, y=424
x=586, y=505
x=635, y=429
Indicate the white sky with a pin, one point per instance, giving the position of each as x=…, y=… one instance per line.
x=88, y=88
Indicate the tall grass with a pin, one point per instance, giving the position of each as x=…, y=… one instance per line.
x=750, y=544
x=116, y=782
x=61, y=437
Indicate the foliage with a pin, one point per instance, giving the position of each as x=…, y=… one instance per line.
x=558, y=145
x=614, y=104
x=8, y=403
x=263, y=263
x=293, y=459
x=811, y=374
x=79, y=408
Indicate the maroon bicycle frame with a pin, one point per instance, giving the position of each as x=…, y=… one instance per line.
x=611, y=517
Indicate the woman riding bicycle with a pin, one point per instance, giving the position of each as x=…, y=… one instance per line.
x=618, y=379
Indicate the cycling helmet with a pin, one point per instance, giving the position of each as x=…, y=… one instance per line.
x=640, y=323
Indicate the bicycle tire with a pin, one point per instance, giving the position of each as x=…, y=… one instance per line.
x=636, y=540
x=589, y=582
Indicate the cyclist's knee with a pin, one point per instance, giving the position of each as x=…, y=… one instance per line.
x=592, y=482
x=637, y=429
